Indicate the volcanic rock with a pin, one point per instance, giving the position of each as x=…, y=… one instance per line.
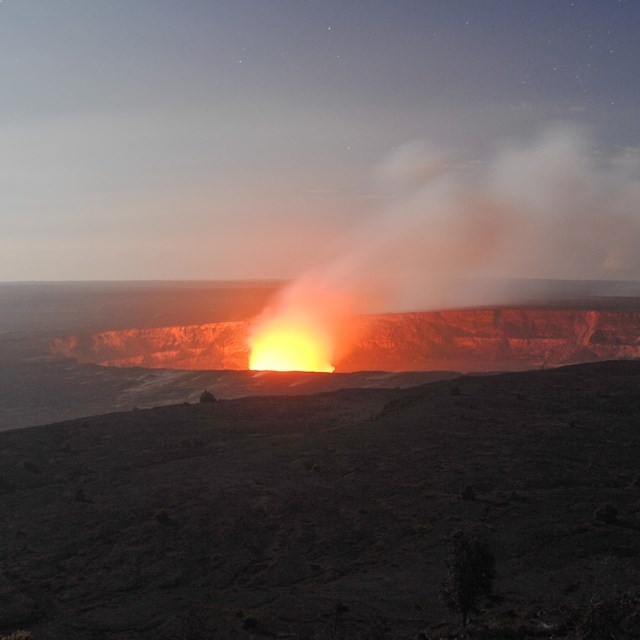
x=326, y=515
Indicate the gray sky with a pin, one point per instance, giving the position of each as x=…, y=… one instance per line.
x=240, y=139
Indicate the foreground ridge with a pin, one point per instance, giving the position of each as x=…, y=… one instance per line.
x=303, y=517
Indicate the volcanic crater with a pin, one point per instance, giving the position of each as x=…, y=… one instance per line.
x=481, y=339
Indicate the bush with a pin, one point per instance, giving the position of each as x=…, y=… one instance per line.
x=601, y=620
x=207, y=396
x=606, y=513
x=468, y=493
x=471, y=570
x=616, y=617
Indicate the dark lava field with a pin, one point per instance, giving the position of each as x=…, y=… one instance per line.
x=328, y=516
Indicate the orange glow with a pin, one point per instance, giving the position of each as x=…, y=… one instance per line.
x=290, y=346
x=302, y=328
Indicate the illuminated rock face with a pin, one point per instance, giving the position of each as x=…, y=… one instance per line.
x=495, y=339
x=465, y=340
x=220, y=345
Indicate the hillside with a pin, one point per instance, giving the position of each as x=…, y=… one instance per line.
x=324, y=516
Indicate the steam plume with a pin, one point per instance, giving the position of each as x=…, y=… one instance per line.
x=460, y=233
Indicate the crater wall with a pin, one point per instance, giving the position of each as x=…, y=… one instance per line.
x=464, y=340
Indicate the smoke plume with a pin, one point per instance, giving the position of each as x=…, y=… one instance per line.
x=456, y=232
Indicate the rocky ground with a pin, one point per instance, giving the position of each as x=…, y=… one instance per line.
x=55, y=389
x=327, y=516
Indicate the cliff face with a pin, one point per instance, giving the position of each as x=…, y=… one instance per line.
x=464, y=340
x=495, y=339
x=218, y=345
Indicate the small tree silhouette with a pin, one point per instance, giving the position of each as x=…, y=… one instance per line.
x=471, y=571
x=612, y=617
x=606, y=513
x=601, y=621
x=207, y=396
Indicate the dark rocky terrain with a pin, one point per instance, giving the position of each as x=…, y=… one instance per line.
x=58, y=389
x=327, y=516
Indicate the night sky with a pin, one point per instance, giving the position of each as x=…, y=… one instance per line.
x=160, y=139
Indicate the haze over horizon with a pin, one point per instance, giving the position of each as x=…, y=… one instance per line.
x=245, y=139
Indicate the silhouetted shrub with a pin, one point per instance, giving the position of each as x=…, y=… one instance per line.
x=193, y=625
x=207, y=396
x=468, y=493
x=162, y=517
x=471, y=570
x=31, y=466
x=601, y=620
x=18, y=635
x=606, y=513
x=341, y=608
x=251, y=623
